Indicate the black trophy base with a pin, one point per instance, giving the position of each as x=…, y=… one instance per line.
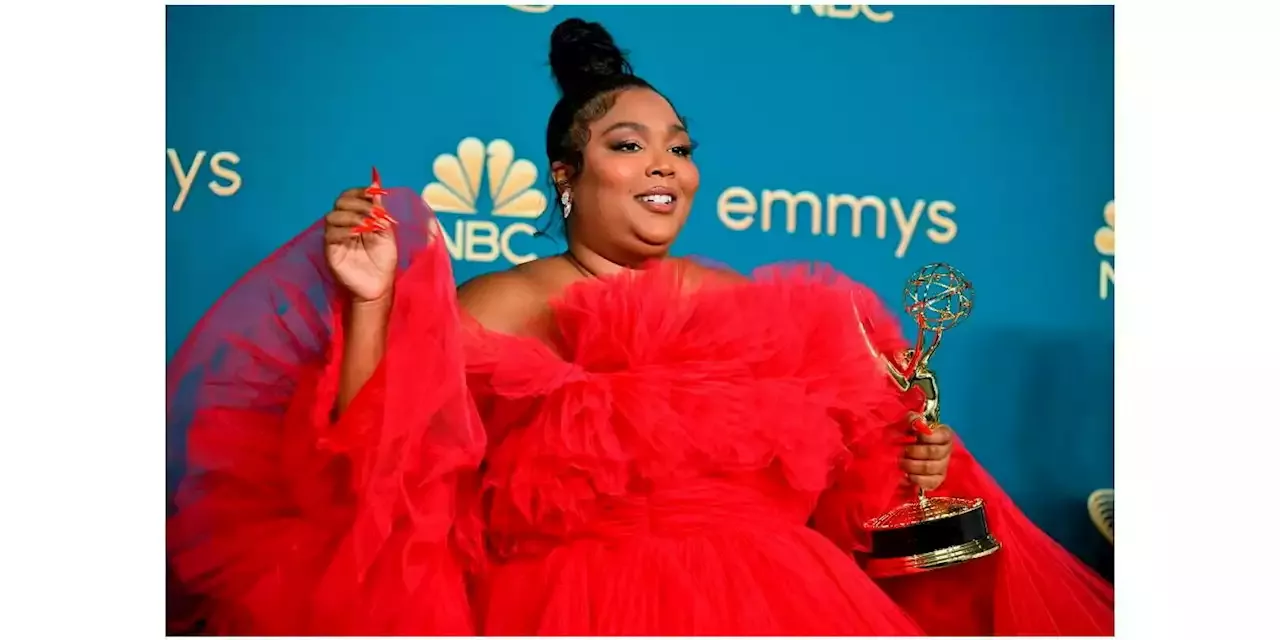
x=929, y=534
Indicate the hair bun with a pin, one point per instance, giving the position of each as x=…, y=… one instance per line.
x=584, y=54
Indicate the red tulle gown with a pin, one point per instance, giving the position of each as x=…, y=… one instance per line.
x=683, y=461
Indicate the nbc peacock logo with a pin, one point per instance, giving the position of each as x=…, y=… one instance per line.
x=1104, y=240
x=463, y=179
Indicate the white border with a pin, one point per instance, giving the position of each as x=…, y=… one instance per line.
x=83, y=318
x=1196, y=137
x=82, y=321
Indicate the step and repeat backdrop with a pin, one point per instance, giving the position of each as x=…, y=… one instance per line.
x=875, y=138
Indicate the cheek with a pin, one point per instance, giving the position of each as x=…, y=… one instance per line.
x=616, y=175
x=625, y=174
x=690, y=179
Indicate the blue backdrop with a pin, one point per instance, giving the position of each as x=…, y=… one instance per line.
x=875, y=138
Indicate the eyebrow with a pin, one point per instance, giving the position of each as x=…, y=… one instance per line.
x=675, y=128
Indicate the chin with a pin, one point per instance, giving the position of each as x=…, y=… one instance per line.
x=654, y=243
x=647, y=248
x=656, y=238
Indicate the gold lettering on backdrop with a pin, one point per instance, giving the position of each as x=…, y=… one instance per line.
x=484, y=241
x=462, y=178
x=738, y=209
x=1106, y=279
x=844, y=12
x=1104, y=241
x=833, y=11
x=220, y=164
x=792, y=202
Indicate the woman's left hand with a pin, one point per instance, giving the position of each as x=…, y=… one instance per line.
x=926, y=461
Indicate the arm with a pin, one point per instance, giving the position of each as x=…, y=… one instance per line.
x=502, y=301
x=366, y=341
x=289, y=522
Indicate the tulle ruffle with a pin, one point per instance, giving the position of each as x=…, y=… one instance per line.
x=651, y=384
x=1031, y=587
x=687, y=455
x=290, y=522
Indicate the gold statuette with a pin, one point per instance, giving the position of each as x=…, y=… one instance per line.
x=928, y=533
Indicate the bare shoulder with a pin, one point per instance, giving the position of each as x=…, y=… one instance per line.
x=504, y=301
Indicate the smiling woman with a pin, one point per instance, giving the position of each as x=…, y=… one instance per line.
x=620, y=156
x=633, y=187
x=610, y=441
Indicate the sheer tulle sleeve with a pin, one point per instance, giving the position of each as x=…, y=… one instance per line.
x=287, y=521
x=1033, y=586
x=866, y=481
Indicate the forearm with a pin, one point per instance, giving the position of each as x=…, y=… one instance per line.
x=365, y=343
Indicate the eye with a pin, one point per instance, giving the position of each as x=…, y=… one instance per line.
x=685, y=150
x=626, y=147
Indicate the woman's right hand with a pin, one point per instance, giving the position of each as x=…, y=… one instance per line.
x=363, y=261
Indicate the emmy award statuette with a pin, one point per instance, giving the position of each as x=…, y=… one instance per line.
x=928, y=533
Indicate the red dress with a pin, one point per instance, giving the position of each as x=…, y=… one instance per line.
x=681, y=462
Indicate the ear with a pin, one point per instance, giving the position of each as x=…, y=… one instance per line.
x=561, y=173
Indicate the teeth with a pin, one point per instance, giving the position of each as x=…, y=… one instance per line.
x=657, y=199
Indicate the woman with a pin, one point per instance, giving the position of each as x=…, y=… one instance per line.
x=608, y=441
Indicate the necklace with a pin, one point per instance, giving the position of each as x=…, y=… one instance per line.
x=582, y=268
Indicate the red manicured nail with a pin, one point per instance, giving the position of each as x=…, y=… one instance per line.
x=922, y=426
x=381, y=214
x=375, y=189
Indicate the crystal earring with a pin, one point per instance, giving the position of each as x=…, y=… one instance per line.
x=566, y=203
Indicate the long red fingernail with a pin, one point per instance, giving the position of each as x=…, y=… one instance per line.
x=375, y=189
x=922, y=426
x=381, y=214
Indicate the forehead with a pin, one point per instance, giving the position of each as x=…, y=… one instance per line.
x=642, y=106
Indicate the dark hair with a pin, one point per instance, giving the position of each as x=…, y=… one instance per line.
x=590, y=70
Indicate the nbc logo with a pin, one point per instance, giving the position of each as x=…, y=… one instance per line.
x=1104, y=240
x=512, y=198
x=844, y=12
x=833, y=11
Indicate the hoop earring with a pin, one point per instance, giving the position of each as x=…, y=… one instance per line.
x=566, y=203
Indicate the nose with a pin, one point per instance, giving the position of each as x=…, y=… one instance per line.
x=662, y=167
